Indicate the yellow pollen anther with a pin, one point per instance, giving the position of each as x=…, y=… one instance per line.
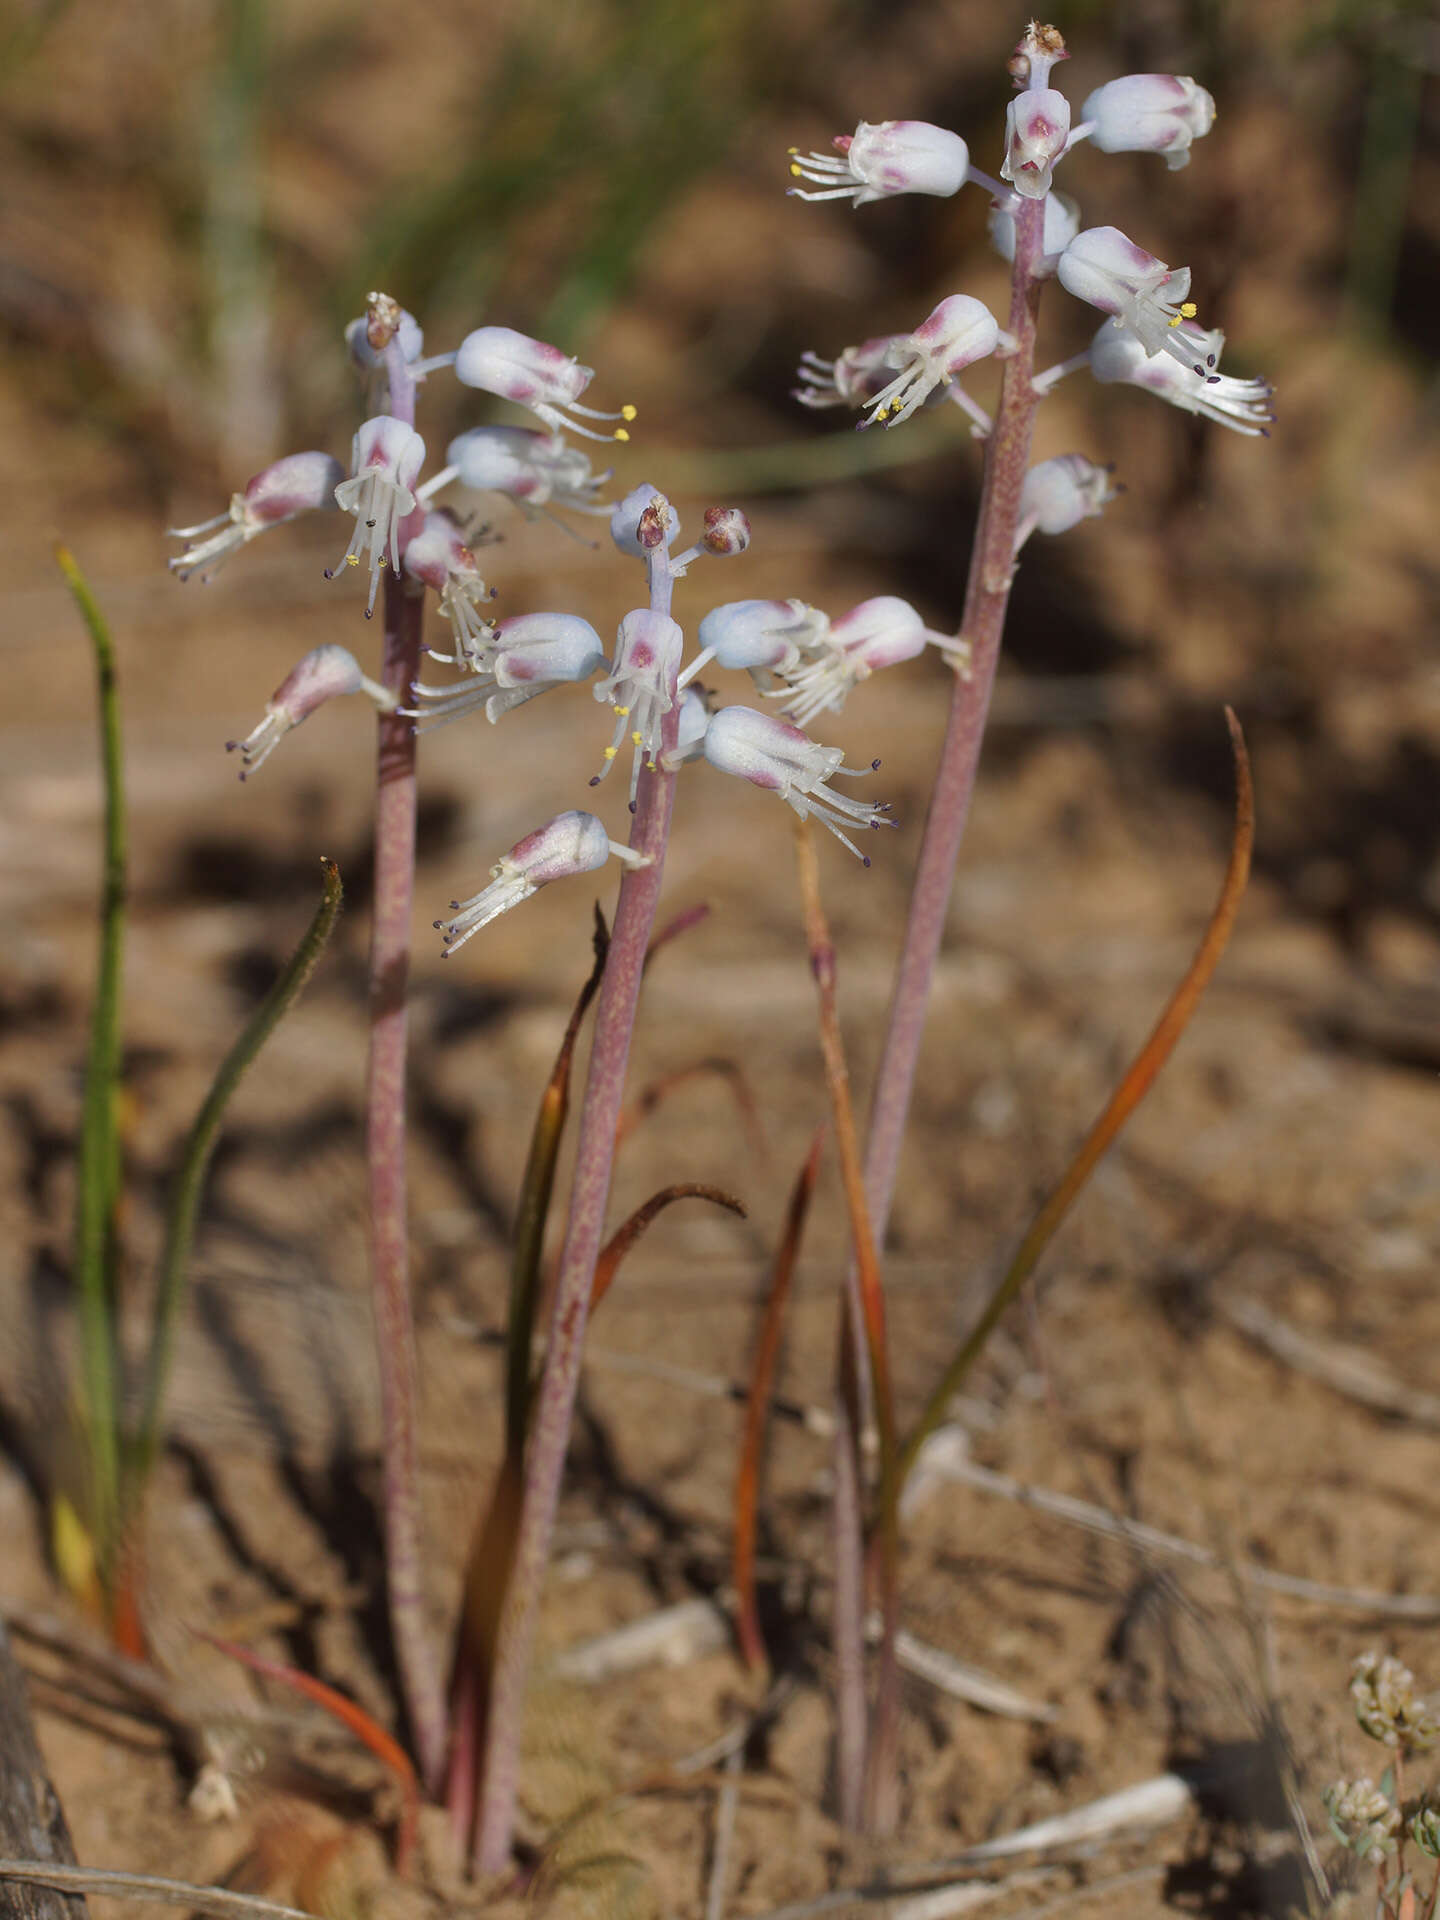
x=1187, y=312
x=352, y=559
x=797, y=170
x=636, y=737
x=620, y=434
x=610, y=752
x=792, y=149
x=622, y=710
x=627, y=412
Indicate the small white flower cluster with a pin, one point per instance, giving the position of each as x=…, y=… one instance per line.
x=1150, y=337
x=1362, y=1818
x=1388, y=1707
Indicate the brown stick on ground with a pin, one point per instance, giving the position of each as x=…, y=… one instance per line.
x=32, y=1824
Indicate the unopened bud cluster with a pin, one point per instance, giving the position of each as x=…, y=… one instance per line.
x=1377, y=1821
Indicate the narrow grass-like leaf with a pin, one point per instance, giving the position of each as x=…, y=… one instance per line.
x=199, y=1145
x=354, y=1719
x=1137, y=1081
x=757, y=1411
x=866, y=1302
x=672, y=930
x=536, y=1189
x=98, y=1176
x=625, y=1236
x=729, y=1071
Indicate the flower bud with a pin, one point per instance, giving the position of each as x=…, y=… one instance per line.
x=501, y=361
x=643, y=521
x=1037, y=126
x=1149, y=113
x=1058, y=494
x=1062, y=223
x=876, y=162
x=727, y=531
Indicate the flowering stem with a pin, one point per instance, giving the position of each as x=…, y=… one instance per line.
x=395, y=810
x=987, y=596
x=554, y=1402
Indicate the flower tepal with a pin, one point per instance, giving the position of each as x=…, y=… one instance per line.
x=1116, y=354
x=1148, y=113
x=524, y=656
x=771, y=754
x=1037, y=126
x=297, y=484
x=571, y=843
x=385, y=464
x=878, y=633
x=531, y=467
x=532, y=374
x=320, y=676
x=879, y=161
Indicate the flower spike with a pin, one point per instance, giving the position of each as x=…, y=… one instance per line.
x=299, y=483
x=386, y=461
x=320, y=676
x=1198, y=386
x=571, y=843
x=877, y=162
x=770, y=754
x=501, y=361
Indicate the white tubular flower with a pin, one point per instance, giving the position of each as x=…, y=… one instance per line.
x=958, y=333
x=758, y=636
x=1037, y=127
x=641, y=687
x=1148, y=113
x=877, y=162
x=385, y=462
x=1104, y=269
x=768, y=753
x=439, y=557
x=852, y=379
x=501, y=361
x=298, y=484
x=1058, y=494
x=1062, y=223
x=571, y=843
x=524, y=656
x=1116, y=354
x=878, y=633
x=323, y=673
x=532, y=467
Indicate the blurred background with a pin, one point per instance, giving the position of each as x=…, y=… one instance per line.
x=199, y=194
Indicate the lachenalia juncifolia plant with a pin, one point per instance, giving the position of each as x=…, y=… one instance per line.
x=1150, y=337
x=802, y=663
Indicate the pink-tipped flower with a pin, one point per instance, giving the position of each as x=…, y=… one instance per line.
x=959, y=332
x=876, y=162
x=641, y=687
x=1037, y=126
x=1198, y=386
x=323, y=673
x=1062, y=223
x=440, y=557
x=532, y=467
x=571, y=843
x=771, y=754
x=878, y=633
x=501, y=361
x=1058, y=494
x=1148, y=113
x=1107, y=270
x=852, y=378
x=758, y=636
x=524, y=656
x=385, y=464
x=298, y=484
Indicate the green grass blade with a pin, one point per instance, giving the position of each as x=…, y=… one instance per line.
x=190, y=1181
x=98, y=1171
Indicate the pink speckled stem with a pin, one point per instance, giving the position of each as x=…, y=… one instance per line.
x=395, y=806
x=554, y=1407
x=987, y=596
